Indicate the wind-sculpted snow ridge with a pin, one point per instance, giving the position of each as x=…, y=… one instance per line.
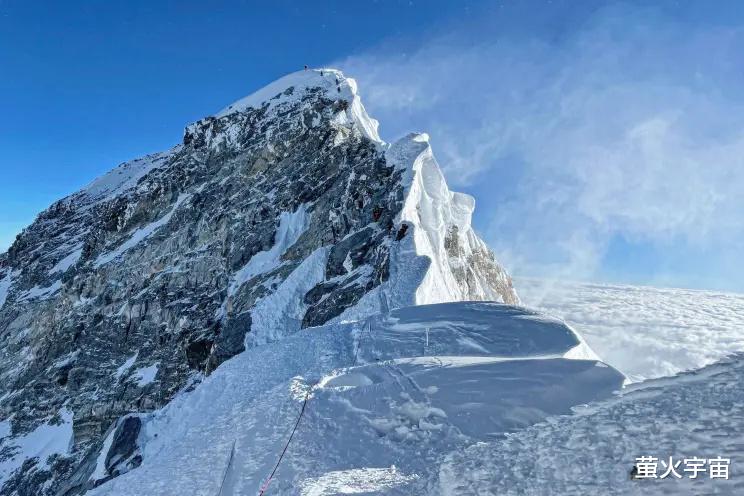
x=285, y=211
x=645, y=332
x=697, y=414
x=389, y=397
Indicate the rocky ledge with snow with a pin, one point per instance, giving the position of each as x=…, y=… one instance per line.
x=282, y=212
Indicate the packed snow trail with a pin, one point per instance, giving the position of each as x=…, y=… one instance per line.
x=384, y=411
x=366, y=325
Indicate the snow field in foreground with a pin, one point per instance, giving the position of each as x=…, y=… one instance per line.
x=697, y=414
x=390, y=396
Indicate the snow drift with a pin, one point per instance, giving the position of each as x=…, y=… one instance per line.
x=388, y=397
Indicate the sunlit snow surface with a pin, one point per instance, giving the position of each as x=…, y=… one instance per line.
x=6, y=280
x=354, y=481
x=48, y=439
x=331, y=80
x=389, y=397
x=466, y=398
x=697, y=414
x=645, y=332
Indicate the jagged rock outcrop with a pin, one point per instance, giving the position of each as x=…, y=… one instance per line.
x=281, y=212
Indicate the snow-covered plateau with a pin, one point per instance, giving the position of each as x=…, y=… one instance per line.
x=284, y=303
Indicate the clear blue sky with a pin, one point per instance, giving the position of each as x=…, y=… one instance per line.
x=602, y=141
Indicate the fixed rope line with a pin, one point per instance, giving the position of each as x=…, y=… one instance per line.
x=265, y=486
x=286, y=446
x=227, y=467
x=359, y=342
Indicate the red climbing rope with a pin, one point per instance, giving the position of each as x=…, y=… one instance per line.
x=286, y=446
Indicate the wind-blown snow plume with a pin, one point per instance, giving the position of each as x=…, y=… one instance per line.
x=614, y=125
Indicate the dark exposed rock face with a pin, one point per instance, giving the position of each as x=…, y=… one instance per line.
x=122, y=455
x=127, y=292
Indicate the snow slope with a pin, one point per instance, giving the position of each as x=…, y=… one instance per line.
x=291, y=227
x=645, y=332
x=48, y=439
x=139, y=235
x=697, y=414
x=121, y=179
x=6, y=279
x=388, y=397
x=67, y=261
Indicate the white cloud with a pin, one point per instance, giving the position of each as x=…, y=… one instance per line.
x=631, y=125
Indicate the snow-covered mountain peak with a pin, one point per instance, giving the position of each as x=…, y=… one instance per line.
x=293, y=87
x=284, y=211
